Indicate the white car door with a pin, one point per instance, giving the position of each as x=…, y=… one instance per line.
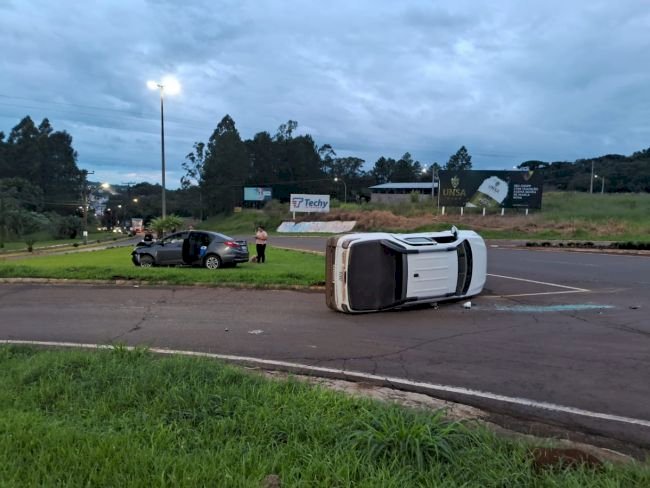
x=432, y=274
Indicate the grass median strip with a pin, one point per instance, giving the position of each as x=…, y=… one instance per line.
x=127, y=418
x=283, y=268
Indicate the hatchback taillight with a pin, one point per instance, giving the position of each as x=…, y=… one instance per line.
x=232, y=244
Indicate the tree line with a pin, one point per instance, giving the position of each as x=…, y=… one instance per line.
x=613, y=173
x=42, y=186
x=216, y=171
x=39, y=181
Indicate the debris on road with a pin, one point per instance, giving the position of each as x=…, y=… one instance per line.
x=256, y=331
x=467, y=305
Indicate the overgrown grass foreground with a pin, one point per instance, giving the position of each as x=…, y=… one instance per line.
x=126, y=418
x=283, y=268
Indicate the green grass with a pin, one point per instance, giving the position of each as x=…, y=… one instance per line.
x=242, y=223
x=126, y=418
x=43, y=242
x=629, y=207
x=283, y=268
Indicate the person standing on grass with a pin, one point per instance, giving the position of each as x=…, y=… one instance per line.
x=260, y=243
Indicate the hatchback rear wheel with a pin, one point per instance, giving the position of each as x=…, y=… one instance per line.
x=213, y=261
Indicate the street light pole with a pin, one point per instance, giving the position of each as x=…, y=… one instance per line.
x=162, y=149
x=345, y=189
x=591, y=182
x=172, y=86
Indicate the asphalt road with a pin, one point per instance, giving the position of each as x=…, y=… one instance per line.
x=559, y=328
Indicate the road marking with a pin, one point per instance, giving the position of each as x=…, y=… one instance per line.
x=569, y=263
x=551, y=308
x=535, y=294
x=569, y=289
x=433, y=387
x=538, y=282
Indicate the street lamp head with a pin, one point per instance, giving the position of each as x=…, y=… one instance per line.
x=171, y=86
x=135, y=200
x=336, y=178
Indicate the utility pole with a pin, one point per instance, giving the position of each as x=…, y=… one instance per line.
x=3, y=221
x=128, y=184
x=591, y=182
x=84, y=196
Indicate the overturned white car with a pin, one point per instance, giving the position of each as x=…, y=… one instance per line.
x=368, y=272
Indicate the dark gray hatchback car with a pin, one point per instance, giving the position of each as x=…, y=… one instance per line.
x=196, y=248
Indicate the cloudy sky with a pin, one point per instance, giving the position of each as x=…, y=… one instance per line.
x=511, y=80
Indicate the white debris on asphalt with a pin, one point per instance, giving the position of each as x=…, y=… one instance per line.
x=256, y=331
x=467, y=305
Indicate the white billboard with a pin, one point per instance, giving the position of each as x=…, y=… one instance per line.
x=309, y=203
x=257, y=194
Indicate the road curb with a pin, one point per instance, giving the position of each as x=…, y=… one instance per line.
x=138, y=284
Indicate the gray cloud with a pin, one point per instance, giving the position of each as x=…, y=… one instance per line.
x=510, y=80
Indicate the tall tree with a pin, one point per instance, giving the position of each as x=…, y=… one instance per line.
x=4, y=157
x=327, y=156
x=407, y=170
x=47, y=159
x=383, y=170
x=225, y=167
x=194, y=173
x=285, y=131
x=459, y=161
x=264, y=166
x=298, y=163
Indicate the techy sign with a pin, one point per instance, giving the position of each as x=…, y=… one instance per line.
x=309, y=203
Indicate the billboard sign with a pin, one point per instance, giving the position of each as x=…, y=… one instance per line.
x=257, y=194
x=309, y=203
x=491, y=189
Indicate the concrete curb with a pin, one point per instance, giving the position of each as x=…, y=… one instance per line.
x=143, y=284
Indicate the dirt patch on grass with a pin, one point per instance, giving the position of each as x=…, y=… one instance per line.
x=377, y=220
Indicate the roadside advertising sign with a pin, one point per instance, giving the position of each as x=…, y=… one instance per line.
x=491, y=189
x=309, y=203
x=257, y=194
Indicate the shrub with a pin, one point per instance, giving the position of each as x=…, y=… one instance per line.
x=171, y=222
x=64, y=227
